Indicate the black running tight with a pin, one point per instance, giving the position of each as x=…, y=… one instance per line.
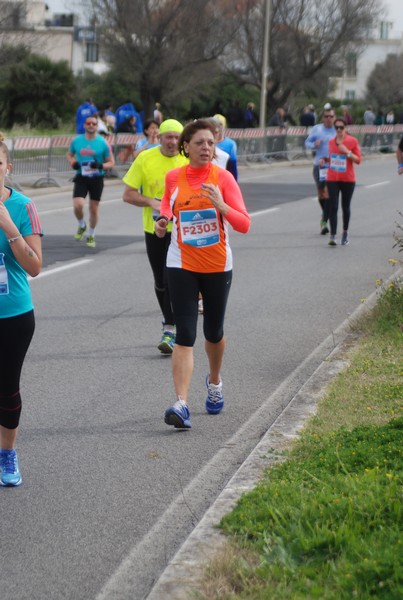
x=184, y=287
x=157, y=249
x=346, y=189
x=15, y=335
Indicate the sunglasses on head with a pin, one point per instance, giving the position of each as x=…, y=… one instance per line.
x=339, y=127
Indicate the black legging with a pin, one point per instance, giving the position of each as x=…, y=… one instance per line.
x=157, y=249
x=184, y=287
x=346, y=188
x=15, y=335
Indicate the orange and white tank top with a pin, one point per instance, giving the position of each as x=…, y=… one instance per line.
x=199, y=239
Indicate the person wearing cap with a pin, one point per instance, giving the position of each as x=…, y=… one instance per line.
x=227, y=144
x=144, y=187
x=318, y=141
x=203, y=201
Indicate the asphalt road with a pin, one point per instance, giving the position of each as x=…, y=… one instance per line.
x=109, y=491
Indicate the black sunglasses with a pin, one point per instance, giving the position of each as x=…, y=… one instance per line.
x=339, y=127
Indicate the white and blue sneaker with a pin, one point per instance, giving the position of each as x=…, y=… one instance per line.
x=10, y=473
x=178, y=415
x=215, y=398
x=167, y=343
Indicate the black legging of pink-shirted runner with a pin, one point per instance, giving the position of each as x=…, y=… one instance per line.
x=346, y=189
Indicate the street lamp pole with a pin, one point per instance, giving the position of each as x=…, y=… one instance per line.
x=265, y=66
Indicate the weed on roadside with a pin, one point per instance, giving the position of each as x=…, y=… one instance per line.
x=327, y=522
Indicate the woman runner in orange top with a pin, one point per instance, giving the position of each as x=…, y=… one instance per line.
x=201, y=199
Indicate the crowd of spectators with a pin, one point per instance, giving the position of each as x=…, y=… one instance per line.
x=129, y=120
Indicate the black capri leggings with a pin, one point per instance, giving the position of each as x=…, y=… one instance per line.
x=157, y=249
x=346, y=188
x=184, y=288
x=15, y=335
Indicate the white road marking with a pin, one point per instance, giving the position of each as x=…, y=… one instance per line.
x=79, y=263
x=377, y=184
x=263, y=212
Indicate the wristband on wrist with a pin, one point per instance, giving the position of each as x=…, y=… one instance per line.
x=13, y=239
x=400, y=166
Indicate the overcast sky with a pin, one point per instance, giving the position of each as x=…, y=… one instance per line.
x=395, y=12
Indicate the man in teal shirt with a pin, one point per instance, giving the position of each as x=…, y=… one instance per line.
x=89, y=155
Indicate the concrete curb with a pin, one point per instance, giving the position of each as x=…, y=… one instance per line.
x=180, y=578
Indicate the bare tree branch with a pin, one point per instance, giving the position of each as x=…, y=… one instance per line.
x=167, y=46
x=308, y=37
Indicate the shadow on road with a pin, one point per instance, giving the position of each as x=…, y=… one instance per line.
x=63, y=248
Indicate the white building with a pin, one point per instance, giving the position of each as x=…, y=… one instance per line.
x=57, y=36
x=359, y=64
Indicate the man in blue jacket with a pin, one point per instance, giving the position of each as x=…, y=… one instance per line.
x=87, y=109
x=124, y=112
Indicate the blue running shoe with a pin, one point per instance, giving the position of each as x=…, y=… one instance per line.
x=10, y=473
x=167, y=343
x=178, y=415
x=215, y=398
x=344, y=238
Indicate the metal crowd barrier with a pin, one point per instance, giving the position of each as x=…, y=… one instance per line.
x=44, y=157
x=288, y=143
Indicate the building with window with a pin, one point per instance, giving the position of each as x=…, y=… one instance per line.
x=57, y=36
x=357, y=64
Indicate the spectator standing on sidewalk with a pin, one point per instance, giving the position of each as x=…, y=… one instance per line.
x=308, y=119
x=235, y=116
x=277, y=120
x=347, y=116
x=89, y=155
x=144, y=187
x=318, y=141
x=20, y=254
x=151, y=139
x=157, y=114
x=369, y=116
x=250, y=117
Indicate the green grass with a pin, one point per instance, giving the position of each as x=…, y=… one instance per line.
x=327, y=522
x=26, y=130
